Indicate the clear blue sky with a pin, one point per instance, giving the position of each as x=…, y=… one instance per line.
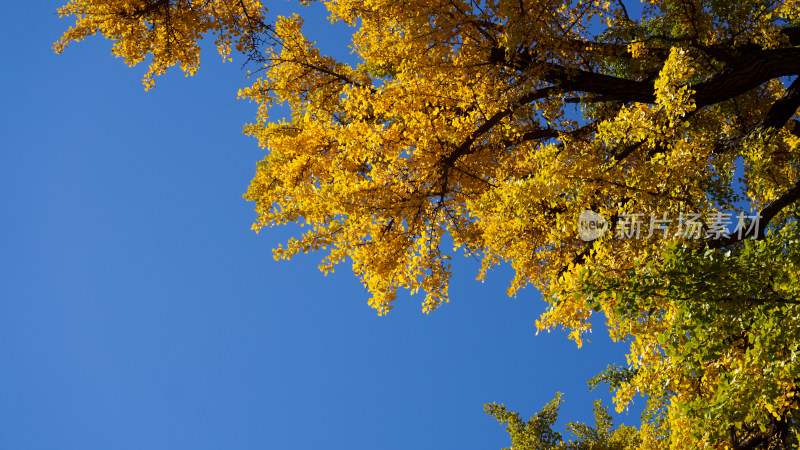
x=139, y=311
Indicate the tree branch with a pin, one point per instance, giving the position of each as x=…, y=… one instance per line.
x=767, y=214
x=466, y=146
x=737, y=77
x=778, y=115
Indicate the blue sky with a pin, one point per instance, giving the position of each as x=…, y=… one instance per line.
x=139, y=311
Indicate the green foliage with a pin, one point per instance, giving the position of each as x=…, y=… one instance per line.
x=538, y=434
x=728, y=324
x=613, y=376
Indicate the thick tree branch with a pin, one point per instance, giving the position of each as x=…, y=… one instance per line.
x=778, y=115
x=745, y=73
x=736, y=78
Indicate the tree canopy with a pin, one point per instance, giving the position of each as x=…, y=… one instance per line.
x=496, y=125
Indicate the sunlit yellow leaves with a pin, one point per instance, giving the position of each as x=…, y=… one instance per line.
x=637, y=49
x=674, y=97
x=166, y=30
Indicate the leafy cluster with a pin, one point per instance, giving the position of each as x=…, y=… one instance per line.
x=168, y=31
x=538, y=433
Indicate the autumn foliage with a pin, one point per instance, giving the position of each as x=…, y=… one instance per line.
x=496, y=124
